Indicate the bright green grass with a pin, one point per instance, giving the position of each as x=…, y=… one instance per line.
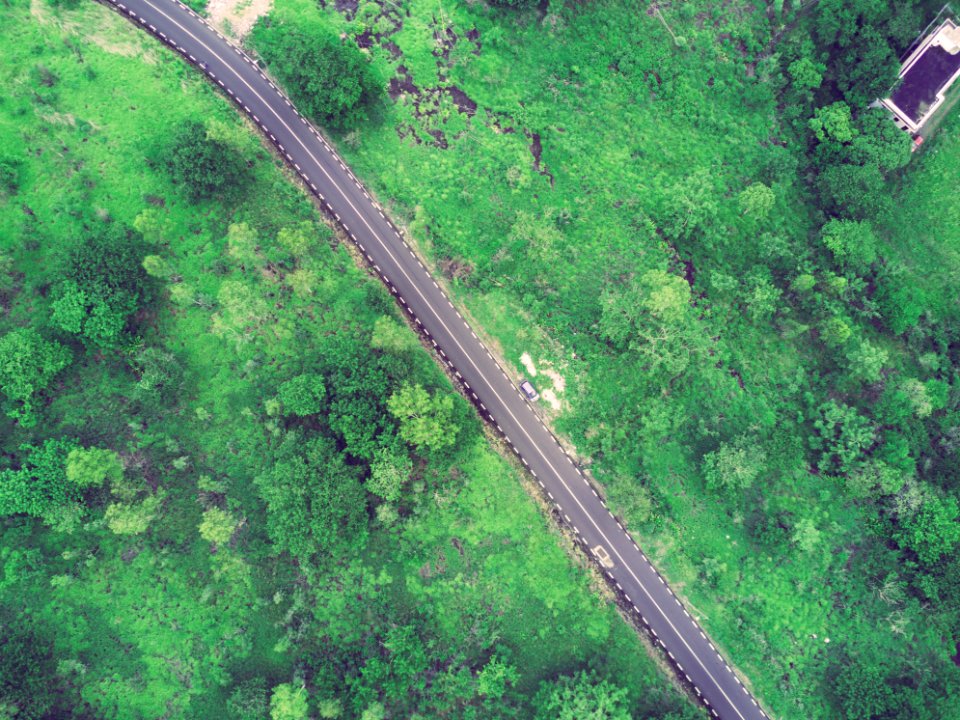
x=160, y=630
x=625, y=119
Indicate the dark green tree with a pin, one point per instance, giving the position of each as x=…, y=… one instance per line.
x=205, y=164
x=583, y=696
x=933, y=530
x=28, y=363
x=40, y=487
x=843, y=436
x=516, y=4
x=315, y=502
x=861, y=691
x=328, y=78
x=30, y=688
x=103, y=283
x=303, y=395
x=248, y=700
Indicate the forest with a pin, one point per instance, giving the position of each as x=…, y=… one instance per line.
x=235, y=484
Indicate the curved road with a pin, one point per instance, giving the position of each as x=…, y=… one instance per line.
x=640, y=586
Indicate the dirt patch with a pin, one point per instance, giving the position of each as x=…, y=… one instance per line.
x=440, y=140
x=500, y=128
x=536, y=149
x=392, y=48
x=549, y=391
x=364, y=40
x=237, y=17
x=739, y=378
x=402, y=83
x=454, y=269
x=464, y=103
x=559, y=384
x=473, y=36
x=347, y=7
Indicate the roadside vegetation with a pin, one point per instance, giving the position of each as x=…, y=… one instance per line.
x=688, y=214
x=233, y=484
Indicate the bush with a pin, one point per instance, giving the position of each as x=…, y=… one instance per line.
x=205, y=165
x=331, y=81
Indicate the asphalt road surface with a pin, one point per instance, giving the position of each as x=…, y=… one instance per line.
x=642, y=589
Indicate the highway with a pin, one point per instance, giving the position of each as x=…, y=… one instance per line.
x=643, y=591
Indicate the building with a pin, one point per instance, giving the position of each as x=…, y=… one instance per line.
x=927, y=73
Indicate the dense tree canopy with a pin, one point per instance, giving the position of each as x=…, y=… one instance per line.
x=426, y=420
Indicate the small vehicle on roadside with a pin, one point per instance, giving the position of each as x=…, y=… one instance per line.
x=603, y=556
x=527, y=388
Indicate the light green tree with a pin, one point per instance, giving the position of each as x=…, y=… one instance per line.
x=806, y=536
x=242, y=244
x=133, y=518
x=866, y=361
x=374, y=711
x=834, y=331
x=157, y=267
x=288, y=702
x=303, y=395
x=302, y=281
x=806, y=74
x=917, y=397
x=390, y=469
x=426, y=421
x=735, y=465
x=330, y=709
x=852, y=243
x=299, y=240
x=633, y=316
x=90, y=467
x=582, y=697
x=833, y=123
x=390, y=335
x=28, y=364
x=217, y=526
x=496, y=677
x=757, y=200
